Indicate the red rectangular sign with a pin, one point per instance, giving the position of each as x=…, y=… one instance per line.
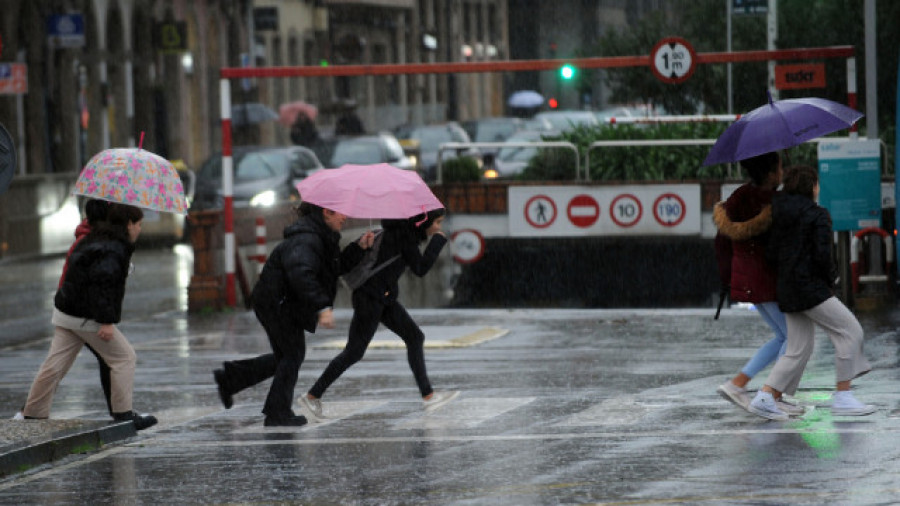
x=792, y=77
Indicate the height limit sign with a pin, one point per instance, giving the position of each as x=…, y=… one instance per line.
x=673, y=60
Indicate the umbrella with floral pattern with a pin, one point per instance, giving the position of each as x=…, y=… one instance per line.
x=133, y=176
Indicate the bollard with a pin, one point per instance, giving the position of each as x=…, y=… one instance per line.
x=260, y=256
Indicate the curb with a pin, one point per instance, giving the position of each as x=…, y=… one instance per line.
x=60, y=445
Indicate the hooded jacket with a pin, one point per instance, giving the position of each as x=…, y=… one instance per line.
x=401, y=238
x=299, y=279
x=93, y=285
x=800, y=248
x=745, y=219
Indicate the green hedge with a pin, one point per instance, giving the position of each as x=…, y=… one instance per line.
x=460, y=170
x=636, y=163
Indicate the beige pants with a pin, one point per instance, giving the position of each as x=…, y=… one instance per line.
x=117, y=353
x=841, y=327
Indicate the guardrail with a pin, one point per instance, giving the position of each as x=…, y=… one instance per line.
x=447, y=146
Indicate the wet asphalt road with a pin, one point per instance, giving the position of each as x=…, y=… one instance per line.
x=557, y=407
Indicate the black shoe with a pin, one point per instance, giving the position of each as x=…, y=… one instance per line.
x=292, y=421
x=141, y=422
x=224, y=396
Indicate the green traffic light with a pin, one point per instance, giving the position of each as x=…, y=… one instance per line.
x=567, y=71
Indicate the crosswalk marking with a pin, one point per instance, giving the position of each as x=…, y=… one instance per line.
x=466, y=336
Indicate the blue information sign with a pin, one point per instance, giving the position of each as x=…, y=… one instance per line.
x=850, y=182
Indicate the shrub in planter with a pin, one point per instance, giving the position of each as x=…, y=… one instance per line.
x=460, y=170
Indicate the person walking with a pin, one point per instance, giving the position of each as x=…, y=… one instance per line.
x=800, y=248
x=295, y=293
x=743, y=222
x=376, y=301
x=87, y=307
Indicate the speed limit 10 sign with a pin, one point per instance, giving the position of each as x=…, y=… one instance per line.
x=673, y=60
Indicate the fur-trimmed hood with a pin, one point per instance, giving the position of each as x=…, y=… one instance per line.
x=742, y=230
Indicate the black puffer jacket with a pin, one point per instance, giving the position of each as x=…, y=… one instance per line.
x=299, y=278
x=800, y=249
x=401, y=239
x=93, y=285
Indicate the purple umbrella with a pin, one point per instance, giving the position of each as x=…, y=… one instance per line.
x=780, y=125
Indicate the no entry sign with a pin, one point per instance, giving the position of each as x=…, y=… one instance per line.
x=583, y=210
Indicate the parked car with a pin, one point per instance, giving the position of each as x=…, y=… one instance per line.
x=565, y=121
x=169, y=228
x=263, y=176
x=496, y=129
x=510, y=161
x=430, y=138
x=362, y=150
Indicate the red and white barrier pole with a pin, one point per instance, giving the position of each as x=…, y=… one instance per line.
x=227, y=193
x=260, y=256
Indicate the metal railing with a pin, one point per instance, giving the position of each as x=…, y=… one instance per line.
x=447, y=146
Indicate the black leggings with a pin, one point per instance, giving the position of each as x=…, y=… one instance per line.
x=367, y=313
x=288, y=351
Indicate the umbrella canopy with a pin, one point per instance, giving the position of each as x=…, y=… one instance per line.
x=780, y=125
x=525, y=99
x=135, y=177
x=252, y=113
x=369, y=191
x=287, y=112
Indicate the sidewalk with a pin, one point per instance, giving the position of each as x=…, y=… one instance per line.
x=25, y=444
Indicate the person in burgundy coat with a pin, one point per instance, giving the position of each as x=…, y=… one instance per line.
x=743, y=221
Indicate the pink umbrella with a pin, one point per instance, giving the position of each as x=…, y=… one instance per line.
x=287, y=112
x=369, y=191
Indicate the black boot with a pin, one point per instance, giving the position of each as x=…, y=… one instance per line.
x=224, y=396
x=141, y=422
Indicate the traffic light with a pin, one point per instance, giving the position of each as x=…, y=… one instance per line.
x=552, y=103
x=567, y=72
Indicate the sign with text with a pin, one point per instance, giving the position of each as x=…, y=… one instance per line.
x=793, y=77
x=65, y=30
x=13, y=79
x=567, y=211
x=850, y=182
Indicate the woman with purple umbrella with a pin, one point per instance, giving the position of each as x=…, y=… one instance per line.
x=376, y=301
x=743, y=221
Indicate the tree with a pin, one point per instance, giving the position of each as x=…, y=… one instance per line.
x=801, y=23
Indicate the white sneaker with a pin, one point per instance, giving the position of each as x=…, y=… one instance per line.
x=734, y=394
x=790, y=408
x=313, y=408
x=843, y=403
x=19, y=416
x=764, y=405
x=438, y=399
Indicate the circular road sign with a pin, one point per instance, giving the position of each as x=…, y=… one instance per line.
x=673, y=60
x=626, y=210
x=669, y=210
x=583, y=211
x=540, y=211
x=467, y=246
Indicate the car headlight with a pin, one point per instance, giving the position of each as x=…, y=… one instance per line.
x=263, y=199
x=491, y=174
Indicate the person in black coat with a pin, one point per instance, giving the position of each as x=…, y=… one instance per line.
x=87, y=307
x=375, y=301
x=295, y=293
x=800, y=248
